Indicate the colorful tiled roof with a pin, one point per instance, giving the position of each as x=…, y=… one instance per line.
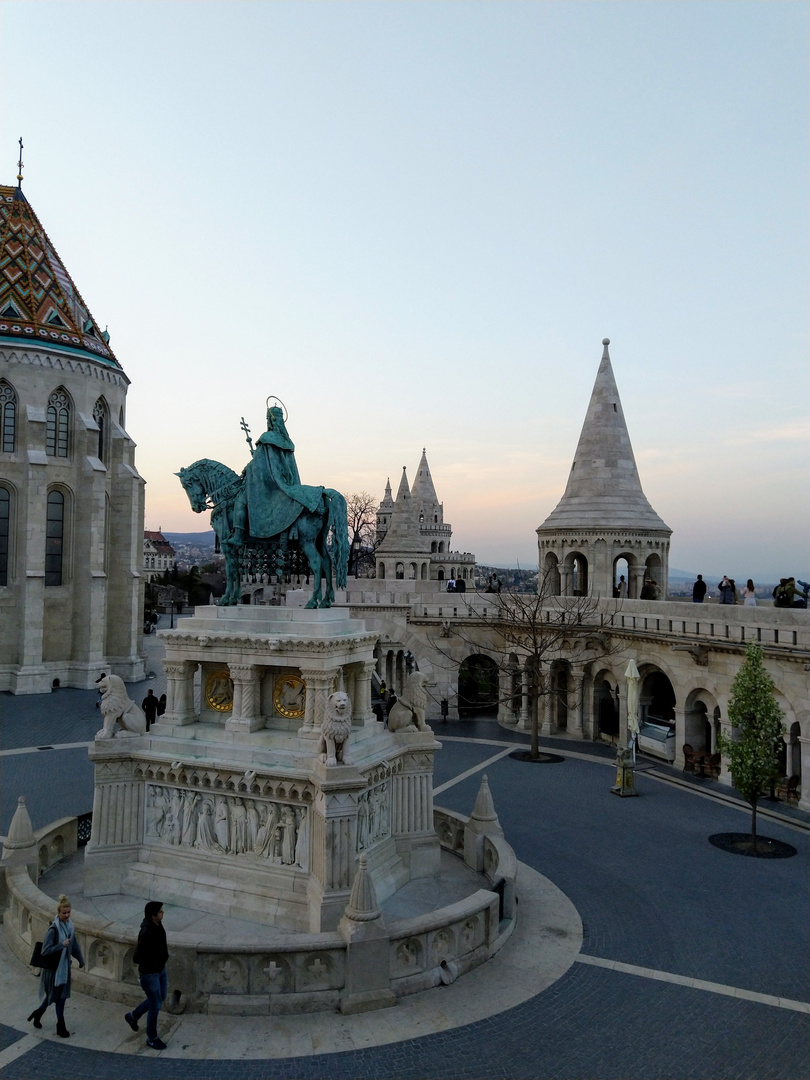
x=38, y=300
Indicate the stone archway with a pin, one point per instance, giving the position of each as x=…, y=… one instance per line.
x=657, y=697
x=478, y=689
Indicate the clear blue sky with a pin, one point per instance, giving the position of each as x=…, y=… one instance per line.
x=414, y=223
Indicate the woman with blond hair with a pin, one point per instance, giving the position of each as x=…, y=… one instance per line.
x=54, y=985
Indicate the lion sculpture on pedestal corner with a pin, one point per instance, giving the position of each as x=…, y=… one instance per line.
x=336, y=727
x=117, y=707
x=408, y=712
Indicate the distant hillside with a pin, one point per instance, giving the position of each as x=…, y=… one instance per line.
x=197, y=539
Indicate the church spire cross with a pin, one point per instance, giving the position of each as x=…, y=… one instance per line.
x=20, y=165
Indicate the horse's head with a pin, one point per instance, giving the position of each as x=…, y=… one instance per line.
x=194, y=487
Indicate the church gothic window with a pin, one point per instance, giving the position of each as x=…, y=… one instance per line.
x=57, y=425
x=5, y=532
x=8, y=417
x=54, y=538
x=100, y=417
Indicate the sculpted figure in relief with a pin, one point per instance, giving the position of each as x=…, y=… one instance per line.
x=336, y=728
x=117, y=708
x=221, y=827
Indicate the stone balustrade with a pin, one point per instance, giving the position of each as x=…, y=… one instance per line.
x=293, y=973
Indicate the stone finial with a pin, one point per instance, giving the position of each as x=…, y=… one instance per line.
x=362, y=906
x=483, y=819
x=20, y=832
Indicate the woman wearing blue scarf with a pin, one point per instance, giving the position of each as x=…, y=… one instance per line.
x=55, y=985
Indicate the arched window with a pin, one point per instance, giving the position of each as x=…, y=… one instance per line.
x=100, y=417
x=412, y=571
x=400, y=572
x=434, y=546
x=424, y=571
x=8, y=417
x=381, y=571
x=5, y=533
x=440, y=575
x=57, y=425
x=54, y=538
x=441, y=547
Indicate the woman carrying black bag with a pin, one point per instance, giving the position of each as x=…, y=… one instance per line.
x=54, y=984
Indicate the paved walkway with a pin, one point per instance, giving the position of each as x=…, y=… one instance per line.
x=692, y=963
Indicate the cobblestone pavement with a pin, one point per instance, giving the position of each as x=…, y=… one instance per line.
x=654, y=896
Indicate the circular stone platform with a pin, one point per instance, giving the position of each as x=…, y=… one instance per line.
x=546, y=941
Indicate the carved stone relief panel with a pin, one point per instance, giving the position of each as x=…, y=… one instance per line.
x=227, y=824
x=373, y=816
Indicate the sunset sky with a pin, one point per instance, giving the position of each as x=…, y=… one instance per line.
x=415, y=223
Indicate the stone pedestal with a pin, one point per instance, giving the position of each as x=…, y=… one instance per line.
x=227, y=805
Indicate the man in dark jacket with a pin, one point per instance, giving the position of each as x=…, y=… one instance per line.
x=698, y=590
x=151, y=955
x=149, y=706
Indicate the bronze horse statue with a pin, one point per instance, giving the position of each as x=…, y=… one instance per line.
x=210, y=485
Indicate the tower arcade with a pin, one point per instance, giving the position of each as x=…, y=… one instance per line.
x=603, y=526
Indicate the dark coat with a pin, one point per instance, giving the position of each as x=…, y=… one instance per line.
x=151, y=952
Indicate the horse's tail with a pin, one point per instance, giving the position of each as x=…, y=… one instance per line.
x=338, y=523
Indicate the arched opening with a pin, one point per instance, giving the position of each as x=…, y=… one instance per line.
x=478, y=687
x=698, y=728
x=550, y=586
x=424, y=572
x=412, y=571
x=657, y=698
x=559, y=695
x=793, y=753
x=606, y=709
x=621, y=577
x=57, y=424
x=54, y=538
x=434, y=547
x=5, y=534
x=100, y=416
x=381, y=571
x=441, y=547
x=440, y=574
x=399, y=572
x=8, y=417
x=654, y=587
x=576, y=566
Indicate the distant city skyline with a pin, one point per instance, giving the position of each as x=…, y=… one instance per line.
x=415, y=223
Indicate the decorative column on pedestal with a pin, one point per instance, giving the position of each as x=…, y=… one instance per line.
x=524, y=698
x=246, y=714
x=506, y=713
x=548, y=726
x=361, y=696
x=320, y=685
x=576, y=701
x=179, y=693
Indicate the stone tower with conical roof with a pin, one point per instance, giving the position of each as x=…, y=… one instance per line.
x=71, y=500
x=604, y=524
x=414, y=541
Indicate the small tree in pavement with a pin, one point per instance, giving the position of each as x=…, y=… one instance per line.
x=755, y=713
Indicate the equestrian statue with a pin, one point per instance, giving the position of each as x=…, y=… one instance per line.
x=267, y=506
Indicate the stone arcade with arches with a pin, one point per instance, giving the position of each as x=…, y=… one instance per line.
x=71, y=500
x=602, y=529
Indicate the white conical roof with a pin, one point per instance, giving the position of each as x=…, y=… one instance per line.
x=604, y=489
x=423, y=489
x=402, y=536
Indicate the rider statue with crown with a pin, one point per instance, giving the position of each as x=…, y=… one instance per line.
x=266, y=506
x=272, y=495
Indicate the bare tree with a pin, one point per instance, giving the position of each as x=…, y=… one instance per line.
x=361, y=515
x=539, y=629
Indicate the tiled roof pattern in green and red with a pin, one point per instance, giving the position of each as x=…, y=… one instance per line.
x=38, y=299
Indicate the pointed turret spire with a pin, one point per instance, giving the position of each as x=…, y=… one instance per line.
x=388, y=499
x=423, y=488
x=404, y=492
x=362, y=905
x=604, y=489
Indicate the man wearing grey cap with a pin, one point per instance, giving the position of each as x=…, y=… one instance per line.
x=151, y=954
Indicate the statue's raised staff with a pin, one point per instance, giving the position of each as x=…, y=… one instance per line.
x=267, y=507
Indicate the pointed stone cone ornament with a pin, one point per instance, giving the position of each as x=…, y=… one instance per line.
x=20, y=832
x=362, y=905
x=483, y=819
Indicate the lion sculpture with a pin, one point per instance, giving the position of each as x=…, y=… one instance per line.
x=116, y=707
x=408, y=712
x=336, y=727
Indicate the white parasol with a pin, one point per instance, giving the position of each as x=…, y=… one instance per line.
x=633, y=680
